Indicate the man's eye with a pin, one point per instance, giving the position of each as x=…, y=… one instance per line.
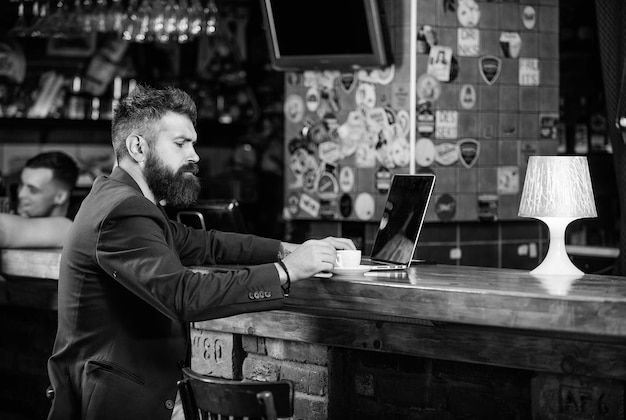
x=180, y=144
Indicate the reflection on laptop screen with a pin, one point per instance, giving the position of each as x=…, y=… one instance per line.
x=402, y=218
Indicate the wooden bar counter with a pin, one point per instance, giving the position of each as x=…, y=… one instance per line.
x=437, y=341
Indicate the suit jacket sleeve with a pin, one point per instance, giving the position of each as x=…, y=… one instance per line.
x=138, y=248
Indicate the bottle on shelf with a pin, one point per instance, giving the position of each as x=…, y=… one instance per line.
x=581, y=130
x=75, y=100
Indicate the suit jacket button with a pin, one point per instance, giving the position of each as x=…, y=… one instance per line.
x=169, y=404
x=250, y=295
x=180, y=364
x=256, y=295
x=268, y=294
x=115, y=274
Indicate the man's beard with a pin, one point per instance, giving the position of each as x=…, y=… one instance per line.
x=179, y=188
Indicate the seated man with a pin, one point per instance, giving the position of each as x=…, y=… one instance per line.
x=46, y=183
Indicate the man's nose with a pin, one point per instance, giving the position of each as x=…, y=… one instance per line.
x=193, y=157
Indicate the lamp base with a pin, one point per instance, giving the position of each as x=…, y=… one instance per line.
x=557, y=261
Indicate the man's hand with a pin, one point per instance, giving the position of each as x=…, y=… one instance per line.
x=314, y=256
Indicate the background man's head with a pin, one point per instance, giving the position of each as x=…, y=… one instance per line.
x=46, y=183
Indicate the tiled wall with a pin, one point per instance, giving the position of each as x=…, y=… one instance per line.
x=502, y=117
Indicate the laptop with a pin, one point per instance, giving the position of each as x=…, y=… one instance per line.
x=401, y=223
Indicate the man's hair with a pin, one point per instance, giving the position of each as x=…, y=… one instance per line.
x=63, y=167
x=142, y=109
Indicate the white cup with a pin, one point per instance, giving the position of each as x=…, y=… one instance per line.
x=348, y=258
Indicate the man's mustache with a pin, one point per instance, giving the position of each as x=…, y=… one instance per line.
x=189, y=167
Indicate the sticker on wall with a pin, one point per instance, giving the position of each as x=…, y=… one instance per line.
x=345, y=205
x=508, y=180
x=446, y=154
x=294, y=108
x=440, y=62
x=383, y=180
x=347, y=81
x=446, y=124
x=445, y=207
x=425, y=152
x=548, y=124
x=403, y=122
x=328, y=208
x=399, y=96
x=292, y=204
x=364, y=206
x=428, y=87
x=312, y=99
x=329, y=151
x=366, y=95
x=468, y=42
x=468, y=13
x=529, y=17
x=426, y=38
x=529, y=72
x=309, y=205
x=489, y=67
x=310, y=181
x=467, y=96
x=327, y=186
x=425, y=118
x=346, y=179
x=318, y=133
x=365, y=156
x=511, y=44
x=376, y=119
x=391, y=115
x=385, y=75
x=293, y=78
x=469, y=150
x=400, y=152
x=488, y=207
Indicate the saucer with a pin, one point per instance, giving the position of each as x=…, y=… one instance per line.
x=359, y=269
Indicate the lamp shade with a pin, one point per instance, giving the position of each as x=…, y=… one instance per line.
x=557, y=186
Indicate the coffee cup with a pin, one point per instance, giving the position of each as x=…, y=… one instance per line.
x=348, y=258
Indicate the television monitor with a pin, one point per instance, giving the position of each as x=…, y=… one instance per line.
x=326, y=34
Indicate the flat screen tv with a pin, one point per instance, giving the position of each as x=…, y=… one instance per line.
x=325, y=34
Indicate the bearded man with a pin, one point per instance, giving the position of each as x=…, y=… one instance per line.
x=125, y=295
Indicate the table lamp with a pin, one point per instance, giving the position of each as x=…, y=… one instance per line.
x=557, y=190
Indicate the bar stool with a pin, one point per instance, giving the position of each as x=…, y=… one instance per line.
x=220, y=398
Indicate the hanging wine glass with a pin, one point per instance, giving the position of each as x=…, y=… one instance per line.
x=196, y=14
x=88, y=18
x=131, y=23
x=55, y=25
x=99, y=16
x=41, y=13
x=74, y=21
x=143, y=14
x=170, y=16
x=114, y=17
x=210, y=18
x=182, y=22
x=157, y=20
x=20, y=28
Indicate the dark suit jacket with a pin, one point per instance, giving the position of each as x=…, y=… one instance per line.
x=126, y=300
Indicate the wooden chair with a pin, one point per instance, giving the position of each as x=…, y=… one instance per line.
x=205, y=397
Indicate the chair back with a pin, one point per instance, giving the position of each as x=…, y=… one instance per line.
x=219, y=214
x=206, y=397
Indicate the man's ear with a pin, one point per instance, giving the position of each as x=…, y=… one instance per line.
x=137, y=147
x=61, y=197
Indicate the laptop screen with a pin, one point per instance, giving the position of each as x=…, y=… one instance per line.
x=402, y=218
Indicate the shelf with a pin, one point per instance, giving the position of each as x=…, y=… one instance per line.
x=48, y=130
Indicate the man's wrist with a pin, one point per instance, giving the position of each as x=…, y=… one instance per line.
x=282, y=252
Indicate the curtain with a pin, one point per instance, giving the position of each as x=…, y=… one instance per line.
x=611, y=15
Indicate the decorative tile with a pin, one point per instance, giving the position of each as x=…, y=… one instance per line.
x=549, y=73
x=487, y=180
x=508, y=152
x=466, y=208
x=468, y=124
x=490, y=42
x=426, y=12
x=549, y=99
x=509, y=75
x=530, y=44
x=488, y=128
x=467, y=180
x=510, y=20
x=509, y=98
x=508, y=128
x=489, y=16
x=449, y=98
x=529, y=125
x=529, y=98
x=549, y=46
x=468, y=70
x=488, y=98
